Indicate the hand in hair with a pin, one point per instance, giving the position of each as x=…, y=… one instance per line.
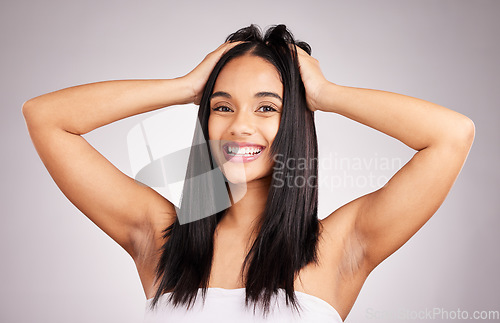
x=312, y=77
x=198, y=77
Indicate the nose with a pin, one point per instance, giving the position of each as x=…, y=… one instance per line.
x=242, y=125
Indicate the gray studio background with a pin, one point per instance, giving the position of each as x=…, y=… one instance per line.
x=57, y=266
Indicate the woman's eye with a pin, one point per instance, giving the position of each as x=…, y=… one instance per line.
x=266, y=108
x=222, y=108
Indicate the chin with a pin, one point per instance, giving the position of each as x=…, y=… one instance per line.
x=237, y=175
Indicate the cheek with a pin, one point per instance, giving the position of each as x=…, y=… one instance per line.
x=271, y=129
x=217, y=126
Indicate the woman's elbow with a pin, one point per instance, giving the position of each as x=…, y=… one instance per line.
x=457, y=135
x=27, y=109
x=35, y=112
x=468, y=131
x=463, y=134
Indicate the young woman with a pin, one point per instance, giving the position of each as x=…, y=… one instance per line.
x=257, y=95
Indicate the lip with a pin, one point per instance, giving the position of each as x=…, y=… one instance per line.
x=241, y=159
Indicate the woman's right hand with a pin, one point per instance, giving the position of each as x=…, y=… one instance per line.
x=198, y=77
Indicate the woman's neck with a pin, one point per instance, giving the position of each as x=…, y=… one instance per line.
x=249, y=203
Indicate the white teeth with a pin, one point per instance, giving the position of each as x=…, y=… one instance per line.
x=245, y=151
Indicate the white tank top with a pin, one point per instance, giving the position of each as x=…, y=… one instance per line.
x=228, y=306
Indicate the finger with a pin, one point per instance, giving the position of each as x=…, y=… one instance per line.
x=223, y=48
x=297, y=48
x=301, y=52
x=228, y=45
x=231, y=45
x=301, y=55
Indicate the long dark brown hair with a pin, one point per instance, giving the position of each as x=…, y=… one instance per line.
x=289, y=227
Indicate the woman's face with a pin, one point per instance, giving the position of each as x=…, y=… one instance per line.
x=245, y=112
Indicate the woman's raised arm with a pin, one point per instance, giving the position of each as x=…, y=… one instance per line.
x=124, y=209
x=83, y=108
x=384, y=220
x=116, y=203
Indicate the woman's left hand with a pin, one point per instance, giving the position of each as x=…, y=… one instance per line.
x=313, y=79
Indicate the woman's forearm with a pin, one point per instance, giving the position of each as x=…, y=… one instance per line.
x=83, y=108
x=415, y=122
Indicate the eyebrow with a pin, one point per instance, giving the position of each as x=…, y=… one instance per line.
x=257, y=95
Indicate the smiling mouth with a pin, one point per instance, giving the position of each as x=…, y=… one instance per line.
x=242, y=152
